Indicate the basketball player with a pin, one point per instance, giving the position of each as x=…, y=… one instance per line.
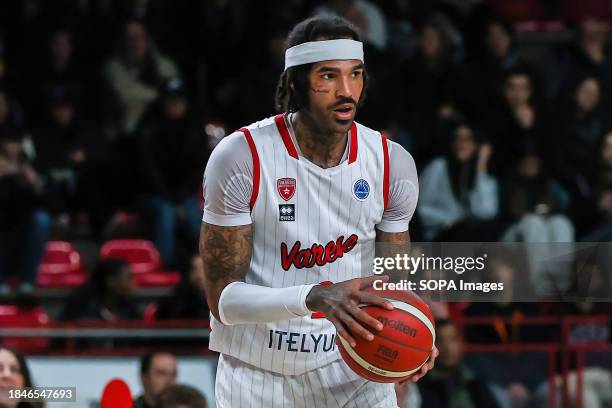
x=292, y=201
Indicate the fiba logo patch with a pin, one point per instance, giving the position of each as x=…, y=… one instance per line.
x=361, y=189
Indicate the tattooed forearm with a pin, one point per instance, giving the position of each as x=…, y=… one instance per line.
x=226, y=253
x=399, y=238
x=389, y=244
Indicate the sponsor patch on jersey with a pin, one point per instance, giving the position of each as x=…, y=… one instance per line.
x=286, y=188
x=286, y=212
x=361, y=189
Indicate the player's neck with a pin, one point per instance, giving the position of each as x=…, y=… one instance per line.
x=321, y=147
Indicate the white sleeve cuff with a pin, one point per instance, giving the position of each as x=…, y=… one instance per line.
x=210, y=217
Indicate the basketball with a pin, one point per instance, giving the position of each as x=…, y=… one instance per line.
x=401, y=347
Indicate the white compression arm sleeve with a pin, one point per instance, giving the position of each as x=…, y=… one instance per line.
x=245, y=303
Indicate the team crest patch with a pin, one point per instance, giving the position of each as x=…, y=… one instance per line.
x=286, y=212
x=361, y=189
x=286, y=188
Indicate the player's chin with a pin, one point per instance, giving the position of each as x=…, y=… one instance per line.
x=342, y=125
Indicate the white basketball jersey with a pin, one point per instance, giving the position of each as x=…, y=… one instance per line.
x=309, y=225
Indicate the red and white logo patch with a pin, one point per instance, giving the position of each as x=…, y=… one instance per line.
x=286, y=188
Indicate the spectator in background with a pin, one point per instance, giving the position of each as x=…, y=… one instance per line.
x=366, y=15
x=25, y=225
x=106, y=296
x=497, y=58
x=58, y=69
x=188, y=300
x=172, y=150
x=533, y=198
x=602, y=217
x=536, y=207
x=14, y=374
x=11, y=115
x=60, y=149
x=516, y=123
x=457, y=192
x=590, y=291
x=451, y=383
x=157, y=373
x=594, y=188
x=507, y=311
x=427, y=85
x=587, y=56
x=135, y=74
x=588, y=296
x=514, y=302
x=581, y=125
x=8, y=72
x=181, y=396
x=253, y=99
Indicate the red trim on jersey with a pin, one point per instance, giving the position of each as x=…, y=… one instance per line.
x=385, y=170
x=249, y=139
x=284, y=132
x=353, y=144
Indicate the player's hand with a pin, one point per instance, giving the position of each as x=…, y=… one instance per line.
x=340, y=303
x=426, y=367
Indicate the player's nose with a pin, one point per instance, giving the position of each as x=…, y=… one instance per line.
x=344, y=88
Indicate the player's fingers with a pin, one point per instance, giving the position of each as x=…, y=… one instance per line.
x=363, y=317
x=432, y=359
x=426, y=367
x=420, y=374
x=365, y=283
x=373, y=299
x=353, y=325
x=417, y=376
x=342, y=331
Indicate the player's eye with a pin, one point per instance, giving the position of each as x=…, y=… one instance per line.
x=327, y=76
x=356, y=74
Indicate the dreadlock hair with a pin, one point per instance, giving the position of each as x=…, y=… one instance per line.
x=293, y=86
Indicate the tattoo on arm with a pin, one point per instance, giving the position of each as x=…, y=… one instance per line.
x=226, y=253
x=400, y=238
x=393, y=243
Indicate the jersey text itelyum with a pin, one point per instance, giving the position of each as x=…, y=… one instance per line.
x=301, y=342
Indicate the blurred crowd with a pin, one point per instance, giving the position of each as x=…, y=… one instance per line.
x=111, y=107
x=158, y=378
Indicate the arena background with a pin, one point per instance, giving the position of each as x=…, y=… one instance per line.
x=109, y=110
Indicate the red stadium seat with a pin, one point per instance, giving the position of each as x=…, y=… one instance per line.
x=575, y=11
x=12, y=316
x=518, y=10
x=144, y=260
x=150, y=312
x=61, y=266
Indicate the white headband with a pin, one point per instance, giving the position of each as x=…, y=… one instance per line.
x=326, y=50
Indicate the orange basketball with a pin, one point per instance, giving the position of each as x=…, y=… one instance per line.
x=401, y=347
